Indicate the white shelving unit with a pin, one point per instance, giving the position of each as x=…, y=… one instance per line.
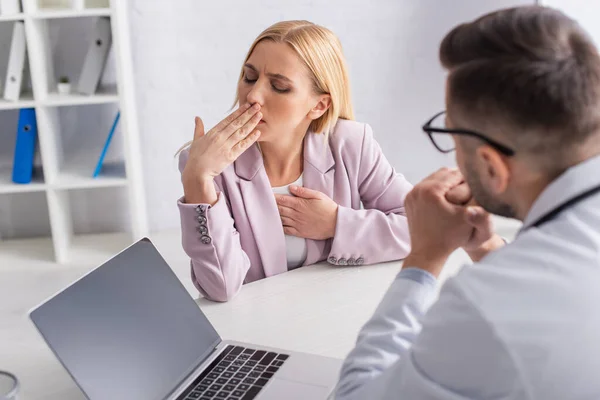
x=67, y=172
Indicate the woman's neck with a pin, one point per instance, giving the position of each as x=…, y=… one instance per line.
x=284, y=162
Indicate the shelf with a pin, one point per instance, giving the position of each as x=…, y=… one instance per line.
x=103, y=96
x=78, y=175
x=8, y=186
x=13, y=17
x=68, y=13
x=25, y=101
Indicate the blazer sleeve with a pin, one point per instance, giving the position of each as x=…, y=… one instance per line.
x=379, y=232
x=218, y=263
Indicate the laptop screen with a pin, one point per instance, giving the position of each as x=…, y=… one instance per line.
x=129, y=329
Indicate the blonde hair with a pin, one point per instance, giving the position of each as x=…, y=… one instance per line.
x=321, y=51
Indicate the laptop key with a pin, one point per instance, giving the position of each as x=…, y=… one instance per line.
x=194, y=395
x=236, y=350
x=238, y=363
x=229, y=387
x=210, y=393
x=201, y=388
x=207, y=381
x=258, y=355
x=267, y=359
x=278, y=363
x=259, y=368
x=238, y=393
x=219, y=369
x=250, y=363
x=229, y=358
x=267, y=375
x=222, y=395
x=243, y=357
x=240, y=375
x=234, y=381
x=246, y=369
x=248, y=351
x=243, y=386
x=227, y=375
x=232, y=369
x=249, y=381
x=272, y=369
x=224, y=364
x=222, y=381
x=254, y=374
x=251, y=393
x=216, y=388
x=283, y=357
x=261, y=382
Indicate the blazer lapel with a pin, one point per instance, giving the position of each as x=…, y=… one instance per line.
x=262, y=211
x=318, y=175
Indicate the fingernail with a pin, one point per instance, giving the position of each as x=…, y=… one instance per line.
x=247, y=105
x=292, y=187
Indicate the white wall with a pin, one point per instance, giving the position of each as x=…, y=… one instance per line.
x=187, y=58
x=187, y=54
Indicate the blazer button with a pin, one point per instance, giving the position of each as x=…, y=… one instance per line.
x=332, y=260
x=201, y=210
x=201, y=219
x=206, y=239
x=202, y=229
x=342, y=261
x=360, y=261
x=351, y=261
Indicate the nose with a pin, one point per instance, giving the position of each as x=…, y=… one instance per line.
x=257, y=93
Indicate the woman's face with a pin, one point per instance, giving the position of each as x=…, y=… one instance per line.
x=276, y=78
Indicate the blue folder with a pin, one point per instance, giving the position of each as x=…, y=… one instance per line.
x=105, y=149
x=25, y=146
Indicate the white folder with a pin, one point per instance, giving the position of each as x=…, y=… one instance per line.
x=16, y=63
x=10, y=7
x=96, y=56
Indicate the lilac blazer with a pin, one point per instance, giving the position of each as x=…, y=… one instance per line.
x=240, y=239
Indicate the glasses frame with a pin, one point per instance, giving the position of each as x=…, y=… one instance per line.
x=430, y=130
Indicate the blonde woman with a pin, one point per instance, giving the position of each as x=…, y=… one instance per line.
x=279, y=183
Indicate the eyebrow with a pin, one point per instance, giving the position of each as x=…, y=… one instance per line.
x=277, y=76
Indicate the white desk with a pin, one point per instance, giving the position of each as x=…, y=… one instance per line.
x=317, y=309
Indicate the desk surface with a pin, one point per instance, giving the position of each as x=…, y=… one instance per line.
x=317, y=309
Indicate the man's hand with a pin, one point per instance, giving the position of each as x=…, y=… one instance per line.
x=437, y=226
x=308, y=214
x=483, y=239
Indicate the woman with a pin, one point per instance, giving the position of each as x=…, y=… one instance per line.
x=279, y=183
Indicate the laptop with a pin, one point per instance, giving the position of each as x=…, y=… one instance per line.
x=130, y=330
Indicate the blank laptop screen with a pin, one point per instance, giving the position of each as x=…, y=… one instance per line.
x=129, y=329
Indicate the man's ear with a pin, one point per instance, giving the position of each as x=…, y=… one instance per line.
x=494, y=170
x=323, y=104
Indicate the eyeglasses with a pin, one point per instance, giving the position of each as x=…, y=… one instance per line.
x=441, y=137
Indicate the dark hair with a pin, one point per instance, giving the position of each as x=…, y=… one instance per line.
x=531, y=69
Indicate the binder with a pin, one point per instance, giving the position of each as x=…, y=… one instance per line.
x=16, y=63
x=25, y=146
x=106, y=144
x=10, y=7
x=96, y=57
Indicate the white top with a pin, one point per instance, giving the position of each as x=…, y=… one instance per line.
x=522, y=324
x=295, y=246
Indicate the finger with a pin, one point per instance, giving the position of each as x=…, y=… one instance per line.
x=245, y=130
x=479, y=218
x=231, y=117
x=449, y=177
x=287, y=201
x=243, y=145
x=305, y=193
x=198, y=128
x=240, y=121
x=287, y=212
x=288, y=230
x=287, y=221
x=460, y=194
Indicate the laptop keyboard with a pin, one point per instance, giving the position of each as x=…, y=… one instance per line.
x=238, y=373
